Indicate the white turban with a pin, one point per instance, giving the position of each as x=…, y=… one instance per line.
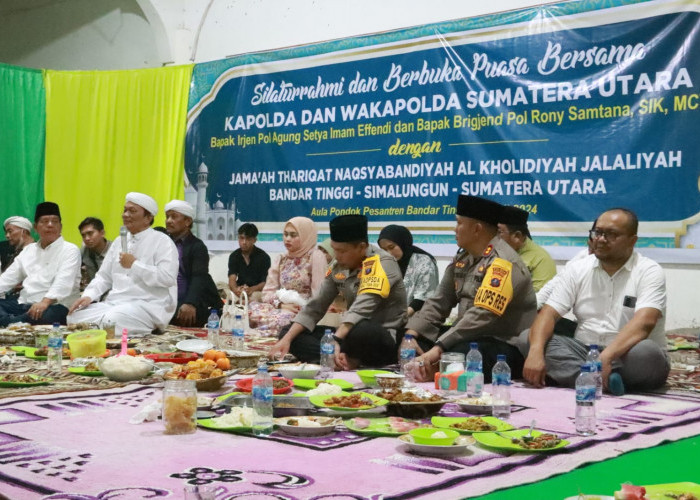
x=143, y=200
x=182, y=207
x=21, y=222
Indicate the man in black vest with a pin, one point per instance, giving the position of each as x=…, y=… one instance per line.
x=196, y=291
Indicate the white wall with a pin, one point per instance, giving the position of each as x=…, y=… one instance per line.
x=121, y=34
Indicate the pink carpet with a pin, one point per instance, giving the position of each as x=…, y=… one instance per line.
x=81, y=446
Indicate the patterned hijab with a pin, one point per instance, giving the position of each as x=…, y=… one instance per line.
x=307, y=235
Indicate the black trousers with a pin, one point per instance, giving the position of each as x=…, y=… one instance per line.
x=369, y=342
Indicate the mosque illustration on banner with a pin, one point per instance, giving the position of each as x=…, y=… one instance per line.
x=216, y=221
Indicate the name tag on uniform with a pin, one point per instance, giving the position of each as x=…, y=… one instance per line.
x=496, y=290
x=373, y=278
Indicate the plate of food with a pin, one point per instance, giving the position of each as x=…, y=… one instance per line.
x=516, y=440
x=468, y=425
x=22, y=380
x=280, y=385
x=354, y=401
x=411, y=403
x=480, y=405
x=386, y=426
x=307, y=426
x=90, y=369
x=459, y=447
x=676, y=491
x=40, y=353
x=306, y=383
x=173, y=357
x=237, y=419
x=20, y=349
x=194, y=345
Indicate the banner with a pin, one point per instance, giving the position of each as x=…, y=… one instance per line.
x=564, y=111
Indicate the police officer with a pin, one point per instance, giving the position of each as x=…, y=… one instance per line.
x=370, y=281
x=490, y=285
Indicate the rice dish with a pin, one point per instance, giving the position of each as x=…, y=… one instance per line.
x=125, y=367
x=324, y=389
x=438, y=435
x=239, y=416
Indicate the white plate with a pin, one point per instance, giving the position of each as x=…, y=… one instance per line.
x=194, y=345
x=300, y=430
x=460, y=447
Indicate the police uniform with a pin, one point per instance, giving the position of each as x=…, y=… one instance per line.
x=376, y=299
x=495, y=302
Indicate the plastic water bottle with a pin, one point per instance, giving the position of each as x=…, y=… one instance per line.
x=54, y=357
x=500, y=387
x=593, y=359
x=213, y=328
x=407, y=353
x=585, y=401
x=327, y=354
x=262, y=402
x=475, y=371
x=238, y=333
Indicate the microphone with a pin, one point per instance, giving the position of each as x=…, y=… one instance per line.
x=122, y=234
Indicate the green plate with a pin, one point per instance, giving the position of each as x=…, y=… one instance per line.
x=661, y=491
x=498, y=442
x=80, y=370
x=19, y=349
x=320, y=401
x=446, y=423
x=208, y=424
x=309, y=383
x=38, y=381
x=377, y=427
x=29, y=352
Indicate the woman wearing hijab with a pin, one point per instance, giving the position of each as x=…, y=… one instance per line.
x=419, y=269
x=293, y=278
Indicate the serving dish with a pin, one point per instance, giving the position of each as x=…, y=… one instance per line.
x=460, y=447
x=246, y=385
x=329, y=402
x=368, y=376
x=172, y=357
x=502, y=441
x=6, y=380
x=448, y=422
x=383, y=426
x=307, y=384
x=194, y=345
x=300, y=426
x=301, y=371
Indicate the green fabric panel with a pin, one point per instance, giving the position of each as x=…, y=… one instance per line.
x=667, y=463
x=111, y=132
x=23, y=112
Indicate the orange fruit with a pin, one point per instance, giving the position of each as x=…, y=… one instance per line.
x=219, y=355
x=223, y=363
x=210, y=354
x=131, y=351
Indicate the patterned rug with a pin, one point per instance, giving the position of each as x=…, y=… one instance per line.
x=81, y=446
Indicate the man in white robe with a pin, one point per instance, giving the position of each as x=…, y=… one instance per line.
x=142, y=282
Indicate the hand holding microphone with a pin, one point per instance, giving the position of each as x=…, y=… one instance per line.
x=125, y=258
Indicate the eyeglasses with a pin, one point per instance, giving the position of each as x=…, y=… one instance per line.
x=606, y=235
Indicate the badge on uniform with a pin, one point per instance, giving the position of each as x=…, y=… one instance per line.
x=496, y=290
x=460, y=264
x=374, y=279
x=488, y=251
x=339, y=276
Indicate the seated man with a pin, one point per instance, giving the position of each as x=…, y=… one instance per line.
x=371, y=282
x=140, y=275
x=196, y=291
x=248, y=265
x=513, y=230
x=18, y=231
x=94, y=250
x=491, y=287
x=619, y=299
x=48, y=270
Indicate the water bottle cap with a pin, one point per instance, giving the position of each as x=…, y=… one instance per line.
x=473, y=345
x=594, y=346
x=215, y=311
x=57, y=325
x=408, y=336
x=238, y=316
x=501, y=357
x=586, y=368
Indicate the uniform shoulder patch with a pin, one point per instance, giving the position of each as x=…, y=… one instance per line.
x=373, y=278
x=488, y=251
x=496, y=290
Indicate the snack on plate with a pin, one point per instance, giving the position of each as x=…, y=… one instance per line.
x=399, y=396
x=473, y=424
x=195, y=370
x=178, y=414
x=239, y=416
x=324, y=389
x=311, y=421
x=484, y=400
x=44, y=351
x=20, y=378
x=630, y=492
x=351, y=401
x=538, y=443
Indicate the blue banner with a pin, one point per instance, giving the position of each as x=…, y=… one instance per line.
x=564, y=116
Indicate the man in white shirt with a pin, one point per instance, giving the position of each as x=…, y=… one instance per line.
x=48, y=270
x=619, y=300
x=141, y=281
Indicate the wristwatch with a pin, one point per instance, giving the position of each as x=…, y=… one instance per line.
x=337, y=339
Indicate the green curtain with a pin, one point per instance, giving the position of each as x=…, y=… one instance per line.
x=111, y=132
x=22, y=100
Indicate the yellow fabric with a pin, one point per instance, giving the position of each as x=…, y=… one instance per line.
x=496, y=290
x=373, y=278
x=111, y=132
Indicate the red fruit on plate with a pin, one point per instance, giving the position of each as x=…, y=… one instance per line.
x=631, y=492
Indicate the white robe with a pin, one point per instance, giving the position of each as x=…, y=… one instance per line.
x=140, y=299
